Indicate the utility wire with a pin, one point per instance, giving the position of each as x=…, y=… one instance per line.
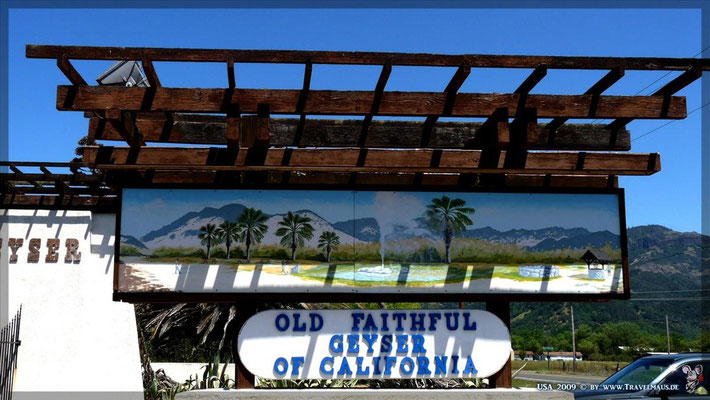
x=668, y=123
x=665, y=75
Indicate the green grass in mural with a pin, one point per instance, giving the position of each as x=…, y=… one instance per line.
x=512, y=273
x=417, y=250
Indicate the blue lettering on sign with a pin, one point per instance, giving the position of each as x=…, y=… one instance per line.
x=406, y=367
x=327, y=362
x=316, y=322
x=470, y=368
x=376, y=365
x=417, y=324
x=455, y=364
x=296, y=363
x=466, y=325
x=280, y=366
x=399, y=317
x=452, y=324
x=296, y=327
x=284, y=322
x=353, y=345
x=386, y=344
x=423, y=366
x=360, y=371
x=356, y=320
x=433, y=317
x=345, y=368
x=440, y=364
x=369, y=324
x=418, y=344
x=370, y=340
x=389, y=363
x=385, y=328
x=336, y=344
x=412, y=360
x=402, y=347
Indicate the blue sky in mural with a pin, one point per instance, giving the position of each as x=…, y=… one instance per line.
x=149, y=209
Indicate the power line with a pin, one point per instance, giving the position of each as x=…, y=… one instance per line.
x=665, y=75
x=669, y=122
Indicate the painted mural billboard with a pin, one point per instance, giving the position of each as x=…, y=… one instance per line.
x=344, y=241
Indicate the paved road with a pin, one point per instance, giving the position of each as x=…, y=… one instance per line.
x=558, y=378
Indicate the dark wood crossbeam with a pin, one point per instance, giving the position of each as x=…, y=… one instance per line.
x=533, y=79
x=377, y=160
x=451, y=91
x=150, y=73
x=301, y=105
x=124, y=123
x=213, y=130
x=668, y=90
x=596, y=90
x=47, y=189
x=377, y=98
x=325, y=102
x=361, y=58
x=69, y=71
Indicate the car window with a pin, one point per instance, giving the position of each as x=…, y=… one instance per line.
x=640, y=372
x=689, y=378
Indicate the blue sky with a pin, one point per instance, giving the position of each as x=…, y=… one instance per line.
x=502, y=211
x=40, y=133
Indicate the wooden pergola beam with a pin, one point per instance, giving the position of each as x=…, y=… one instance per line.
x=451, y=91
x=377, y=160
x=596, y=90
x=213, y=130
x=377, y=98
x=361, y=58
x=326, y=102
x=301, y=105
x=532, y=80
x=668, y=90
x=69, y=71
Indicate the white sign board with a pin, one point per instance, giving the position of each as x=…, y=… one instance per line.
x=374, y=344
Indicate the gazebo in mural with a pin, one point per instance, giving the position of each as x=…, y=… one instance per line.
x=596, y=259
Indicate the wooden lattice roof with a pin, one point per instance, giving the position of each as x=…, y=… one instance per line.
x=225, y=137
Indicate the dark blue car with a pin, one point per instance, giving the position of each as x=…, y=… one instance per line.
x=671, y=376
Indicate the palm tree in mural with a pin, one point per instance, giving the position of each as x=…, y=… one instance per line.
x=208, y=236
x=228, y=232
x=295, y=229
x=328, y=241
x=449, y=216
x=251, y=227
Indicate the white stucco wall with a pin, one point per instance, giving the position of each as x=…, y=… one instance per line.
x=74, y=337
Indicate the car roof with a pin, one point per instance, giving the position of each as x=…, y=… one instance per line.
x=678, y=356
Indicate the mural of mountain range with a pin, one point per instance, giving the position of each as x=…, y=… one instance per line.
x=183, y=232
x=526, y=237
x=365, y=229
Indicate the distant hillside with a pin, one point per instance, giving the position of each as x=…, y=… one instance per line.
x=661, y=260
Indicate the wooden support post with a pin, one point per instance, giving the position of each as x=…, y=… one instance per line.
x=504, y=377
x=244, y=379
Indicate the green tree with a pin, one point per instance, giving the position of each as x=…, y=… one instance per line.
x=228, y=232
x=208, y=236
x=295, y=229
x=450, y=216
x=328, y=241
x=252, y=228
